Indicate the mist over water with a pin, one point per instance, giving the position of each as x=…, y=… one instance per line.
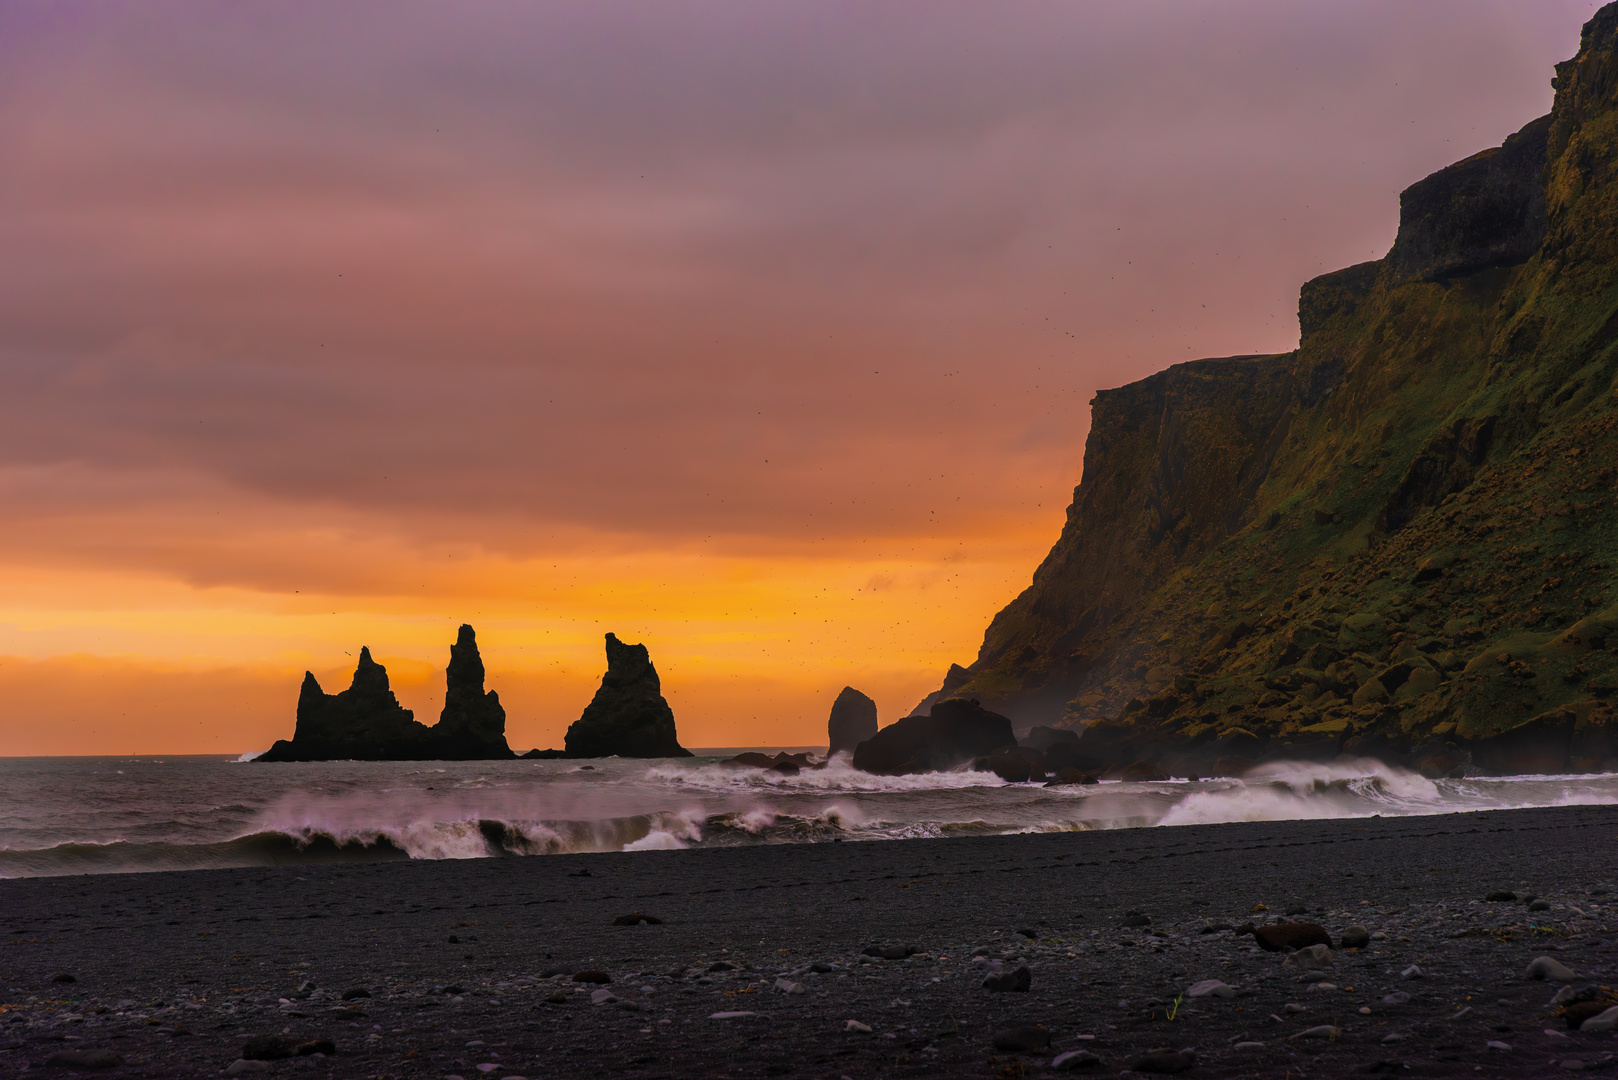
x=120, y=815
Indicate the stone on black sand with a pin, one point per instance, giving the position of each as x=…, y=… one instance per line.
x=64, y=977
x=635, y=918
x=1022, y=1039
x=1314, y=956
x=1355, y=937
x=1545, y=967
x=1013, y=981
x=268, y=1048
x=1136, y=919
x=557, y=998
x=355, y=992
x=84, y=1059
x=1539, y=905
x=1165, y=1061
x=1289, y=936
x=1073, y=1060
x=591, y=977
x=315, y=1046
x=1028, y=932
x=1502, y=897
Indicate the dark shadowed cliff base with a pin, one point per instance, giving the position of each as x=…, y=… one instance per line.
x=1397, y=540
x=758, y=960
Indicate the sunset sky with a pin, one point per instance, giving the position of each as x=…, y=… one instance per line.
x=763, y=334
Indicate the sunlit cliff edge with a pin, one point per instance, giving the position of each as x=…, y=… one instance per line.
x=1398, y=538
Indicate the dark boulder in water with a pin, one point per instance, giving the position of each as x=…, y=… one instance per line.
x=955, y=732
x=628, y=716
x=1043, y=738
x=853, y=720
x=367, y=723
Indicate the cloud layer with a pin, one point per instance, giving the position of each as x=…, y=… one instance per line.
x=407, y=312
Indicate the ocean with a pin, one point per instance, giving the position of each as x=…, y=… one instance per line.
x=94, y=815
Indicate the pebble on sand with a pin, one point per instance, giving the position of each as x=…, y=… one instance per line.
x=1022, y=1039
x=854, y=1027
x=1546, y=967
x=1014, y=981
x=1313, y=956
x=1165, y=1061
x=84, y=1059
x=1411, y=972
x=1074, y=1059
x=787, y=986
x=636, y=918
x=247, y=1065
x=1355, y=937
x=1290, y=936
x=592, y=977
x=1323, y=1031
x=63, y=977
x=1211, y=988
x=735, y=1014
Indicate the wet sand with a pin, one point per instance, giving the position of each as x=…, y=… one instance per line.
x=176, y=972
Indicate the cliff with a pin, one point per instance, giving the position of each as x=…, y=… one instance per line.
x=367, y=723
x=1396, y=538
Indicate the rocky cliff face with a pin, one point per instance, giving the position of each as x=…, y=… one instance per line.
x=628, y=716
x=1396, y=538
x=367, y=723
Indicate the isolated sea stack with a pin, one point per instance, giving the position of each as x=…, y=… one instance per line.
x=1395, y=541
x=853, y=720
x=628, y=716
x=367, y=723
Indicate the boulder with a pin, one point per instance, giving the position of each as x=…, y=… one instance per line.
x=952, y=734
x=1143, y=772
x=853, y=720
x=1068, y=775
x=628, y=716
x=1043, y=738
x=1289, y=936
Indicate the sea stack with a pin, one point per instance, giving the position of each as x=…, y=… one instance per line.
x=853, y=720
x=367, y=723
x=363, y=723
x=473, y=722
x=628, y=716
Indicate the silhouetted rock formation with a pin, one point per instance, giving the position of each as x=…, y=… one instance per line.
x=472, y=721
x=953, y=733
x=853, y=720
x=367, y=723
x=1395, y=541
x=628, y=716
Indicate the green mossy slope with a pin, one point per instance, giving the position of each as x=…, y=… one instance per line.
x=1397, y=539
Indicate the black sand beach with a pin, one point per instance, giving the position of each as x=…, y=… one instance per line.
x=175, y=973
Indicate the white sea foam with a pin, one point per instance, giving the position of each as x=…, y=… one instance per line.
x=67, y=816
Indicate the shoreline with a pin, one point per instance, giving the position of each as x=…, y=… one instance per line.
x=189, y=965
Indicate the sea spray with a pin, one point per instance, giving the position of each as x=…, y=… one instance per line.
x=117, y=815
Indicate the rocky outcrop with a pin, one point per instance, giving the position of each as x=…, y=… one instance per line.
x=1486, y=211
x=853, y=720
x=628, y=716
x=1389, y=542
x=952, y=734
x=367, y=723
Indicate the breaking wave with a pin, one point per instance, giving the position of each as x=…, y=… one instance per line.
x=207, y=813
